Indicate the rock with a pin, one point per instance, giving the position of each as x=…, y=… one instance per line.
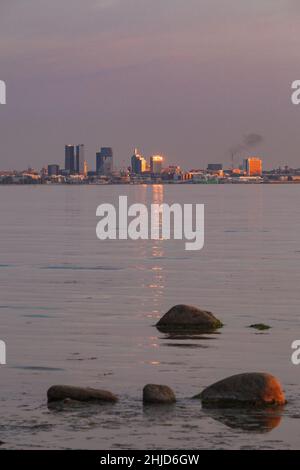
x=186, y=317
x=260, y=326
x=158, y=394
x=67, y=392
x=255, y=389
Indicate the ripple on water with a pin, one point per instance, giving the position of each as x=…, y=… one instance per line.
x=82, y=268
x=38, y=368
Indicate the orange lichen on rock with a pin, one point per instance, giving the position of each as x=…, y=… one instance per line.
x=256, y=389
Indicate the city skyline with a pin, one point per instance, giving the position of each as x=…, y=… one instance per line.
x=79, y=157
x=151, y=171
x=75, y=162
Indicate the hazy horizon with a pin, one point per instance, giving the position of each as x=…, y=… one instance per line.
x=188, y=79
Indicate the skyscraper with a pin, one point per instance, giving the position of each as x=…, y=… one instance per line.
x=79, y=159
x=138, y=163
x=74, y=159
x=85, y=168
x=70, y=158
x=156, y=164
x=104, y=161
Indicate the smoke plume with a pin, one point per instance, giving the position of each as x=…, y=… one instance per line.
x=249, y=141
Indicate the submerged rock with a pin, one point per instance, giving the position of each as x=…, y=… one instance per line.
x=158, y=394
x=254, y=389
x=67, y=392
x=260, y=326
x=187, y=317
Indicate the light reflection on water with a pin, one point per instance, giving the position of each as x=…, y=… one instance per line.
x=104, y=299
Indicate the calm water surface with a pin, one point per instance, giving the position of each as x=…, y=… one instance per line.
x=80, y=311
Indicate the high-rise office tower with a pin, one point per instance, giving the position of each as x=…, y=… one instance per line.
x=156, y=162
x=138, y=163
x=104, y=161
x=253, y=166
x=79, y=159
x=85, y=168
x=74, y=159
x=70, y=158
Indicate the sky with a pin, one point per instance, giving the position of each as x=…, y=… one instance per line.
x=184, y=78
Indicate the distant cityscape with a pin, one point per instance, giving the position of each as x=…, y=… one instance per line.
x=143, y=171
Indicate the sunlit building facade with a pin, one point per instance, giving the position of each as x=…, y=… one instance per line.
x=156, y=162
x=138, y=163
x=253, y=166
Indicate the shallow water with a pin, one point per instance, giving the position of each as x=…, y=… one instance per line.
x=80, y=311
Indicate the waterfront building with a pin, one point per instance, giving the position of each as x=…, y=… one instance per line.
x=104, y=161
x=214, y=167
x=53, y=170
x=253, y=166
x=74, y=159
x=138, y=163
x=79, y=159
x=156, y=162
x=172, y=173
x=70, y=159
x=85, y=168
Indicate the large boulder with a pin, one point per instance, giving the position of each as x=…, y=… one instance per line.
x=187, y=317
x=66, y=392
x=158, y=394
x=254, y=389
